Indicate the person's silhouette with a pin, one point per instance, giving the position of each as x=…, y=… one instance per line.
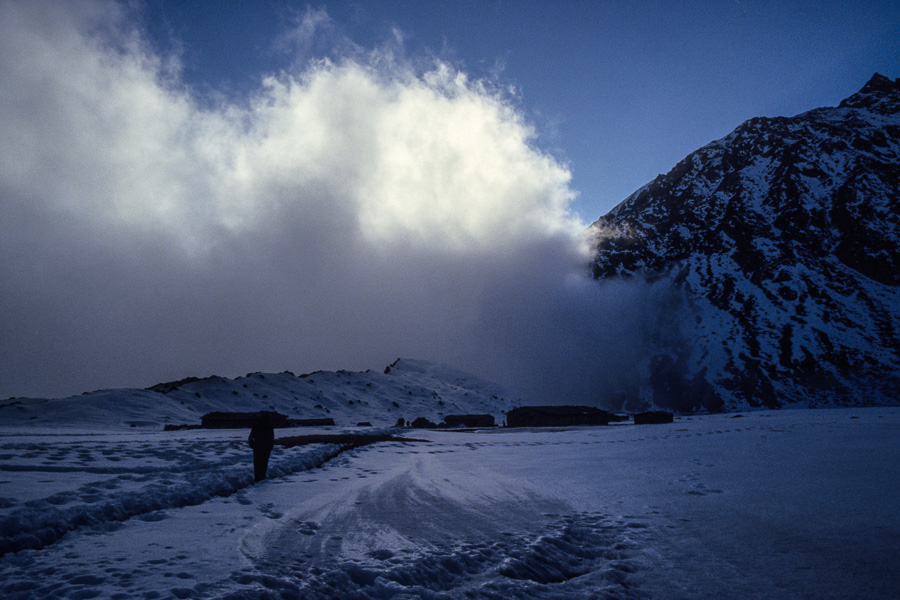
x=262, y=438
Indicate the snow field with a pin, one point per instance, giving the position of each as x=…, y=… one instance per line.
x=783, y=505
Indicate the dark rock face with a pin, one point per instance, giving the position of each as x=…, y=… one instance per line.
x=779, y=246
x=170, y=386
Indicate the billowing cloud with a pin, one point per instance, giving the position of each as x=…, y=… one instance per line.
x=348, y=212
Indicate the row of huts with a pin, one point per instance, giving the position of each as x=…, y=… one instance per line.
x=525, y=416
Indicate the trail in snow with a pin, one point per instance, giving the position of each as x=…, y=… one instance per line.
x=115, y=480
x=429, y=525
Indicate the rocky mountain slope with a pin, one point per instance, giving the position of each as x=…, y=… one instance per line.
x=778, y=248
x=405, y=389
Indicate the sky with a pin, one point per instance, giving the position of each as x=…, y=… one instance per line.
x=619, y=91
x=190, y=189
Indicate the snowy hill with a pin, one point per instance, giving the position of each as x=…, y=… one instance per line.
x=780, y=248
x=406, y=389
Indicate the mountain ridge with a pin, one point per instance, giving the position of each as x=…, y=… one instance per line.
x=780, y=245
x=406, y=389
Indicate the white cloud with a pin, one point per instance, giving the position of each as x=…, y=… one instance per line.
x=351, y=212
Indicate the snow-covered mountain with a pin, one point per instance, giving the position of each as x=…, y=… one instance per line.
x=405, y=389
x=779, y=246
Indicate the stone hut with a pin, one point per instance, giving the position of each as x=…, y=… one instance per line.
x=556, y=416
x=469, y=421
x=240, y=420
x=653, y=417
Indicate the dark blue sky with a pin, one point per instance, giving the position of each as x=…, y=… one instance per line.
x=619, y=90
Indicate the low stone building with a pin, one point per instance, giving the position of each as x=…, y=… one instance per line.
x=422, y=423
x=240, y=420
x=243, y=420
x=469, y=421
x=653, y=417
x=556, y=416
x=321, y=422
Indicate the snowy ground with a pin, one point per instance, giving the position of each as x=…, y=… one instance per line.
x=789, y=504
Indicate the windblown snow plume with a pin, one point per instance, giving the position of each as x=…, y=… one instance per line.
x=350, y=211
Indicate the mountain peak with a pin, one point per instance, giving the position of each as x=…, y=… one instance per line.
x=875, y=92
x=879, y=82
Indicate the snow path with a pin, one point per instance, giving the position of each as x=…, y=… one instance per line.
x=168, y=475
x=783, y=505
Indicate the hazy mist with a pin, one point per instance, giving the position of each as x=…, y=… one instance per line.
x=351, y=211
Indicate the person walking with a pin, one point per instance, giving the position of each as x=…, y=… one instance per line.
x=261, y=440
